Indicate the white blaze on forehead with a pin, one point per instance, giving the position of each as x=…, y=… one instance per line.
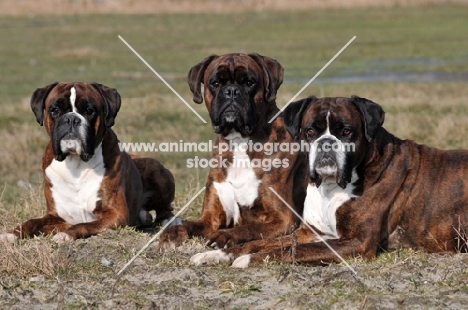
x=327, y=131
x=73, y=98
x=336, y=146
x=74, y=145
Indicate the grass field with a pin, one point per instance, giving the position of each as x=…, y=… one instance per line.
x=405, y=42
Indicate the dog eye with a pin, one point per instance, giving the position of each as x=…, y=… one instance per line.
x=310, y=132
x=215, y=84
x=250, y=83
x=346, y=132
x=89, y=111
x=54, y=111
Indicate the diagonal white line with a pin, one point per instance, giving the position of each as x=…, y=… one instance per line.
x=159, y=233
x=312, y=79
x=314, y=231
x=162, y=79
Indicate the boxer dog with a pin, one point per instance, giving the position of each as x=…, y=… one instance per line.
x=240, y=95
x=368, y=190
x=89, y=184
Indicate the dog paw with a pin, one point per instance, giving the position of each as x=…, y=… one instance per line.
x=62, y=237
x=209, y=258
x=220, y=239
x=176, y=221
x=242, y=261
x=172, y=237
x=145, y=218
x=8, y=238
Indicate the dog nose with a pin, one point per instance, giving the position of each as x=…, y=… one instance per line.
x=328, y=145
x=231, y=92
x=327, y=141
x=72, y=120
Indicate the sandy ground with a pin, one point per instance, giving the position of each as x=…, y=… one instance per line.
x=83, y=275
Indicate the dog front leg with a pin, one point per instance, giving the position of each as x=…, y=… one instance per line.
x=212, y=218
x=48, y=225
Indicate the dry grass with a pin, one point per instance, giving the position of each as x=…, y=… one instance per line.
x=30, y=259
x=12, y=7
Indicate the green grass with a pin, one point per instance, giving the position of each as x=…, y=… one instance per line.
x=42, y=49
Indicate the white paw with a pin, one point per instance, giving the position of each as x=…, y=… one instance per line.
x=62, y=237
x=8, y=237
x=213, y=245
x=176, y=221
x=209, y=258
x=242, y=261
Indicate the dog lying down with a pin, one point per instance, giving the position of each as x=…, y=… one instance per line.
x=368, y=190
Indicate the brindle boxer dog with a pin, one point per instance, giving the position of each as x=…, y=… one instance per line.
x=89, y=185
x=240, y=93
x=381, y=194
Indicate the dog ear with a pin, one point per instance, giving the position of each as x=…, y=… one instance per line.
x=293, y=113
x=195, y=77
x=371, y=113
x=273, y=75
x=38, y=101
x=112, y=100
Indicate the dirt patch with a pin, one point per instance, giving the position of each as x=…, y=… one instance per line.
x=83, y=275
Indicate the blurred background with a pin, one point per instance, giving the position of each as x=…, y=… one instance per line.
x=409, y=56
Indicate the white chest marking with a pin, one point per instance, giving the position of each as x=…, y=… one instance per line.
x=240, y=189
x=73, y=98
x=75, y=186
x=322, y=203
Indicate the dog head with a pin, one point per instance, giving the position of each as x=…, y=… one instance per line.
x=239, y=90
x=75, y=116
x=337, y=130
